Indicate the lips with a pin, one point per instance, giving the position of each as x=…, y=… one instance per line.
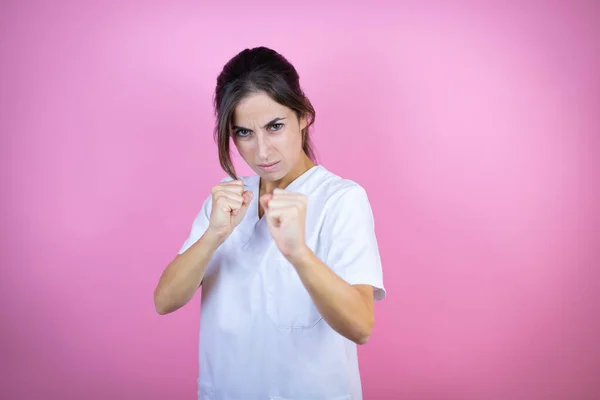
x=267, y=165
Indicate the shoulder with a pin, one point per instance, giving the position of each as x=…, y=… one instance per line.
x=341, y=194
x=345, y=207
x=337, y=186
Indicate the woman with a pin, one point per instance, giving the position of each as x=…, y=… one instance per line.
x=287, y=258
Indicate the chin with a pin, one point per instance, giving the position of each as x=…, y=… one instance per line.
x=274, y=176
x=270, y=176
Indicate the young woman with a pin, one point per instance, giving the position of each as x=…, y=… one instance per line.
x=287, y=258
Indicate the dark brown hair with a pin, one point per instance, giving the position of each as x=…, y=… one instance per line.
x=255, y=70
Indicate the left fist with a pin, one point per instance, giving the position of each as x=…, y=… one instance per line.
x=286, y=214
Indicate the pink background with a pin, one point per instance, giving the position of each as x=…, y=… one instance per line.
x=473, y=127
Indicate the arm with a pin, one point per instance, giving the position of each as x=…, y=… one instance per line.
x=183, y=276
x=343, y=290
x=220, y=214
x=348, y=309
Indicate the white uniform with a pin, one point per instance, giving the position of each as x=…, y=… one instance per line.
x=261, y=336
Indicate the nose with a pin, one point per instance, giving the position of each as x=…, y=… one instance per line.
x=263, y=146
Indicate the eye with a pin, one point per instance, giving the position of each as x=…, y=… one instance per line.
x=276, y=127
x=242, y=133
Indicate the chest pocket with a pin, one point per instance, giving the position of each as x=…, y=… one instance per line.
x=289, y=305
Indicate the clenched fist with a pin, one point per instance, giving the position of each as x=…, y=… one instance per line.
x=286, y=214
x=229, y=205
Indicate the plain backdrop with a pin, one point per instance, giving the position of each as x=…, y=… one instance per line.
x=473, y=126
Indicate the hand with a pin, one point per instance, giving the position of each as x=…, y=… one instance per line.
x=229, y=205
x=286, y=214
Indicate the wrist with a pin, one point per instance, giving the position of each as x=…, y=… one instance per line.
x=300, y=256
x=214, y=239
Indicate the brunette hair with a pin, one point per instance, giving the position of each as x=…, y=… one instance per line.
x=259, y=69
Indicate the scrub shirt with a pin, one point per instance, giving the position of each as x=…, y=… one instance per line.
x=261, y=336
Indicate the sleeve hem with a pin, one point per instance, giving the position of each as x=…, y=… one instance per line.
x=379, y=291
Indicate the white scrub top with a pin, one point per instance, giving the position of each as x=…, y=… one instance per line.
x=261, y=336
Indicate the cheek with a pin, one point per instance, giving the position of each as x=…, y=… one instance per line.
x=244, y=148
x=290, y=142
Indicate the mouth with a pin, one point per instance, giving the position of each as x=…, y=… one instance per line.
x=267, y=167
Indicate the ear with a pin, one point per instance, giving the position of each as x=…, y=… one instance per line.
x=303, y=120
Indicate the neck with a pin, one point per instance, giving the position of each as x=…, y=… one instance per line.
x=304, y=165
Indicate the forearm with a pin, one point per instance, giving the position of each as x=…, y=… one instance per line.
x=342, y=305
x=183, y=276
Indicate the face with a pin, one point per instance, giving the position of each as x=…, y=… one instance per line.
x=268, y=136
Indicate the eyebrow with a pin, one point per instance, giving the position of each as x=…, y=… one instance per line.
x=266, y=125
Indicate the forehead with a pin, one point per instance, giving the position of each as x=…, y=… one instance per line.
x=258, y=107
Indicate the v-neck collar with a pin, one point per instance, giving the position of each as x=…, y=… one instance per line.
x=291, y=187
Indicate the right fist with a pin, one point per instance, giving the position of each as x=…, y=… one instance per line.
x=229, y=205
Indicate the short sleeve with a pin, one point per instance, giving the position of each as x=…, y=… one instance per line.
x=199, y=226
x=353, y=252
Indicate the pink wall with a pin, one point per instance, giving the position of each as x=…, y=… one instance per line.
x=477, y=137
